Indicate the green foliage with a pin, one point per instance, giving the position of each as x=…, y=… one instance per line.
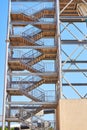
x=12, y=128
x=51, y=128
x=6, y=128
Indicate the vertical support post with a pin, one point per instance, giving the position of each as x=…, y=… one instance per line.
x=6, y=68
x=58, y=43
x=58, y=47
x=9, y=111
x=8, y=125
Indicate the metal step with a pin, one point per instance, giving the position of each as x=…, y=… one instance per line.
x=49, y=13
x=45, y=33
x=38, y=59
x=38, y=68
x=28, y=68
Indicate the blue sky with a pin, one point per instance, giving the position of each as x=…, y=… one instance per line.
x=3, y=29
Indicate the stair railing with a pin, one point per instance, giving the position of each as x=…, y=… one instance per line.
x=24, y=83
x=30, y=33
x=33, y=10
x=30, y=55
x=24, y=113
x=36, y=8
x=39, y=67
x=31, y=80
x=38, y=93
x=50, y=96
x=35, y=121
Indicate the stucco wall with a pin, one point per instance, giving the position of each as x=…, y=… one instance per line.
x=72, y=114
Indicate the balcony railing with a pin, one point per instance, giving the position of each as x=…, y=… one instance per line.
x=16, y=8
x=33, y=120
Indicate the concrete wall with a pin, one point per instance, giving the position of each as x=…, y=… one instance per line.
x=72, y=114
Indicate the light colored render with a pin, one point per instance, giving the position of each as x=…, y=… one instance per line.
x=73, y=114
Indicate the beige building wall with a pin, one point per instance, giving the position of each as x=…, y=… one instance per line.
x=72, y=114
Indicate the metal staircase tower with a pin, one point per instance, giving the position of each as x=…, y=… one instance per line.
x=45, y=50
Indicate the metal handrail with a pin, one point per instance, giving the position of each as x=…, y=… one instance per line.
x=29, y=79
x=39, y=7
x=38, y=93
x=31, y=54
x=50, y=95
x=32, y=29
x=21, y=54
x=30, y=36
x=42, y=97
x=34, y=8
x=38, y=90
x=22, y=113
x=39, y=67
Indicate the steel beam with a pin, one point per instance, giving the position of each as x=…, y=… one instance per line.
x=74, y=70
x=70, y=62
x=50, y=74
x=75, y=84
x=73, y=18
x=32, y=47
x=30, y=107
x=17, y=23
x=31, y=0
x=76, y=61
x=73, y=42
x=31, y=103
